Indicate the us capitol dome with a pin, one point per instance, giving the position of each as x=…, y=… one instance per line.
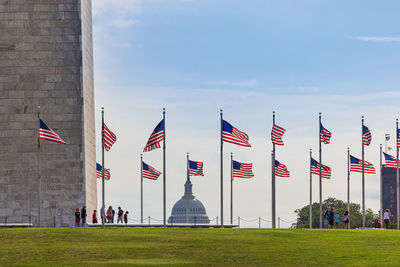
x=196, y=212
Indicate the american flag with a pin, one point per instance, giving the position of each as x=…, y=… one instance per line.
x=324, y=134
x=325, y=171
x=195, y=168
x=99, y=174
x=47, y=133
x=156, y=137
x=366, y=135
x=276, y=135
x=281, y=170
x=356, y=165
x=242, y=170
x=109, y=138
x=390, y=161
x=232, y=135
x=149, y=172
x=398, y=138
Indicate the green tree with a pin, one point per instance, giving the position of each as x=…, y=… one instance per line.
x=339, y=207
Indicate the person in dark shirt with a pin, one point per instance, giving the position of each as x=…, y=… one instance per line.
x=83, y=215
x=113, y=215
x=77, y=217
x=120, y=215
x=331, y=215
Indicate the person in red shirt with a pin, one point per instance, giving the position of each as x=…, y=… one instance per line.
x=378, y=224
x=94, y=219
x=126, y=217
x=77, y=217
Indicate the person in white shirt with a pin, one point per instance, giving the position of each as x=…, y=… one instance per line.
x=386, y=217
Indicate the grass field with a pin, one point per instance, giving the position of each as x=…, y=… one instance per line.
x=194, y=247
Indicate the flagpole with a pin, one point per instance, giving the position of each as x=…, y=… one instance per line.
x=102, y=165
x=164, y=175
x=381, y=181
x=310, y=191
x=320, y=175
x=39, y=179
x=187, y=180
x=231, y=188
x=141, y=188
x=363, y=174
x=273, y=179
x=222, y=174
x=397, y=177
x=348, y=181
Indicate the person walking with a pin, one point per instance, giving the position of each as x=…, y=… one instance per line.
x=120, y=215
x=77, y=217
x=126, y=217
x=94, y=217
x=346, y=219
x=337, y=217
x=109, y=214
x=386, y=218
x=331, y=214
x=112, y=215
x=83, y=216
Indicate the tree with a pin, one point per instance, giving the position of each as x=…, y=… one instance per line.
x=303, y=214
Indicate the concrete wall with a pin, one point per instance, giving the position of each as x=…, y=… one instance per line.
x=42, y=61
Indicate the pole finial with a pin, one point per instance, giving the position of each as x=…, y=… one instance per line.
x=397, y=120
x=380, y=145
x=273, y=112
x=362, y=116
x=319, y=113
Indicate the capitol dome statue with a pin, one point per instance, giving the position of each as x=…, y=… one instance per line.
x=188, y=209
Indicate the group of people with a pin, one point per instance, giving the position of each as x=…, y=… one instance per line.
x=80, y=216
x=331, y=218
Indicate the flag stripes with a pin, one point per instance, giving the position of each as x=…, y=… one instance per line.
x=149, y=172
x=281, y=170
x=156, y=137
x=398, y=138
x=390, y=161
x=109, y=137
x=325, y=170
x=324, y=134
x=356, y=166
x=48, y=134
x=242, y=170
x=99, y=174
x=366, y=136
x=276, y=135
x=232, y=135
x=195, y=168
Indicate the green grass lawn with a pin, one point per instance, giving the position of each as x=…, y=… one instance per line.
x=194, y=247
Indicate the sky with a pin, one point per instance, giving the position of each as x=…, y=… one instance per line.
x=249, y=58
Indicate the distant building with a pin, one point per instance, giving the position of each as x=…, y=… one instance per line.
x=196, y=211
x=46, y=59
x=389, y=191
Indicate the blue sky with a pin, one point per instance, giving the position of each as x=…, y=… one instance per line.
x=249, y=58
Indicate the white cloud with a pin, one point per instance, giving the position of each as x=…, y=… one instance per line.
x=382, y=39
x=246, y=83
